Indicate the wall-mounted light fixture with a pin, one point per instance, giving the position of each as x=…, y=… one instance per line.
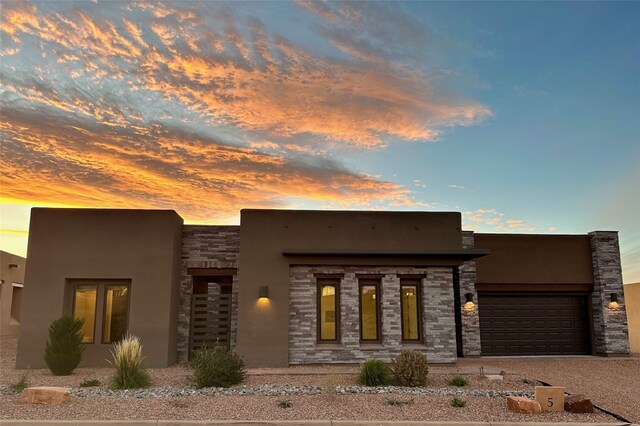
x=468, y=301
x=613, y=304
x=263, y=292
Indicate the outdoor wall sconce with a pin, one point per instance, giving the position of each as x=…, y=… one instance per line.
x=468, y=301
x=613, y=304
x=263, y=292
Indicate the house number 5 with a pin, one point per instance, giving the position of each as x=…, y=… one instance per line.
x=549, y=402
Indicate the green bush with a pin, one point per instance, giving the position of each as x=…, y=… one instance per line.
x=285, y=404
x=459, y=381
x=374, y=372
x=21, y=385
x=63, y=351
x=216, y=367
x=457, y=402
x=410, y=369
x=90, y=383
x=127, y=358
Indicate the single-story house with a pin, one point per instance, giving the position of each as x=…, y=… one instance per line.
x=11, y=286
x=632, y=297
x=290, y=287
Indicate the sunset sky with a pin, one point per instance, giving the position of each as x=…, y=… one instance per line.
x=525, y=117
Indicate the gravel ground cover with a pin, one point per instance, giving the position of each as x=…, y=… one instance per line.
x=611, y=383
x=333, y=396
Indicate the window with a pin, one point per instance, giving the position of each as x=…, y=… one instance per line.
x=84, y=307
x=116, y=303
x=410, y=307
x=370, y=310
x=104, y=306
x=328, y=310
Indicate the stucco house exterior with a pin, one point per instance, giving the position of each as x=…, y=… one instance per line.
x=290, y=287
x=11, y=288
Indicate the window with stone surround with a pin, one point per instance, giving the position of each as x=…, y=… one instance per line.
x=369, y=295
x=410, y=307
x=328, y=310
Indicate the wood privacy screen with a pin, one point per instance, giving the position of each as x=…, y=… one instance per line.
x=210, y=321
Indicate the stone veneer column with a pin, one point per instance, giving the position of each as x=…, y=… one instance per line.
x=609, y=324
x=439, y=315
x=205, y=247
x=470, y=317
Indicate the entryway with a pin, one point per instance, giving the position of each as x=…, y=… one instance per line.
x=211, y=306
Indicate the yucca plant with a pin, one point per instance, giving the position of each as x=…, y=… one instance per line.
x=63, y=350
x=127, y=358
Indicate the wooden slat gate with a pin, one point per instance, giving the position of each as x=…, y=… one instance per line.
x=210, y=321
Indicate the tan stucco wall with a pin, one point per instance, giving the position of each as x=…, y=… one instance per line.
x=534, y=259
x=138, y=245
x=263, y=326
x=632, y=304
x=10, y=326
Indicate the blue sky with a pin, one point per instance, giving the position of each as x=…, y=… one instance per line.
x=523, y=116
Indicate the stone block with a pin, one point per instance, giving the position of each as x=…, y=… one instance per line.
x=522, y=405
x=45, y=395
x=551, y=398
x=578, y=404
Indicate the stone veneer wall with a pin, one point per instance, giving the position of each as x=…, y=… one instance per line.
x=439, y=338
x=470, y=317
x=609, y=324
x=205, y=247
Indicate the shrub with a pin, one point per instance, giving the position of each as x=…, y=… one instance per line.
x=457, y=402
x=21, y=385
x=410, y=369
x=90, y=383
x=374, y=372
x=459, y=381
x=395, y=402
x=217, y=367
x=127, y=358
x=285, y=404
x=64, y=346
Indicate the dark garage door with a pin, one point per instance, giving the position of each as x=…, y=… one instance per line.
x=534, y=324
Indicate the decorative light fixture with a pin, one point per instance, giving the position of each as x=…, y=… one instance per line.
x=613, y=304
x=468, y=301
x=263, y=292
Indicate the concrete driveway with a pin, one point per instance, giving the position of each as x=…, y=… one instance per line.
x=611, y=383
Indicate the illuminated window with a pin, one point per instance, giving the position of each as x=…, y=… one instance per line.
x=328, y=310
x=370, y=310
x=410, y=301
x=116, y=306
x=103, y=305
x=84, y=307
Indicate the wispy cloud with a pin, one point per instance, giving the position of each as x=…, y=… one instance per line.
x=207, y=107
x=493, y=220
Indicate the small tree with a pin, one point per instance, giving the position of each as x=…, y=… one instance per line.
x=64, y=349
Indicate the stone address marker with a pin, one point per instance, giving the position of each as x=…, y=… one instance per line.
x=551, y=398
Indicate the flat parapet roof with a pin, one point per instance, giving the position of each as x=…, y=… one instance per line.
x=466, y=254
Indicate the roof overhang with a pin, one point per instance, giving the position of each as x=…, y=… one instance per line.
x=464, y=254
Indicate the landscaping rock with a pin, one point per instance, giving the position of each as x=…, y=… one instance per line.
x=45, y=395
x=578, y=404
x=551, y=398
x=493, y=377
x=522, y=405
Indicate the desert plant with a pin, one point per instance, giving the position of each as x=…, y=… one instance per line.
x=395, y=402
x=217, y=367
x=89, y=383
x=127, y=358
x=457, y=402
x=63, y=351
x=459, y=381
x=20, y=385
x=410, y=369
x=285, y=404
x=374, y=372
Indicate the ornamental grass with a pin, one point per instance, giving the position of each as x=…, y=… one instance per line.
x=127, y=358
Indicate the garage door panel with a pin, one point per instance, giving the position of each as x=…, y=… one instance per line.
x=524, y=324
